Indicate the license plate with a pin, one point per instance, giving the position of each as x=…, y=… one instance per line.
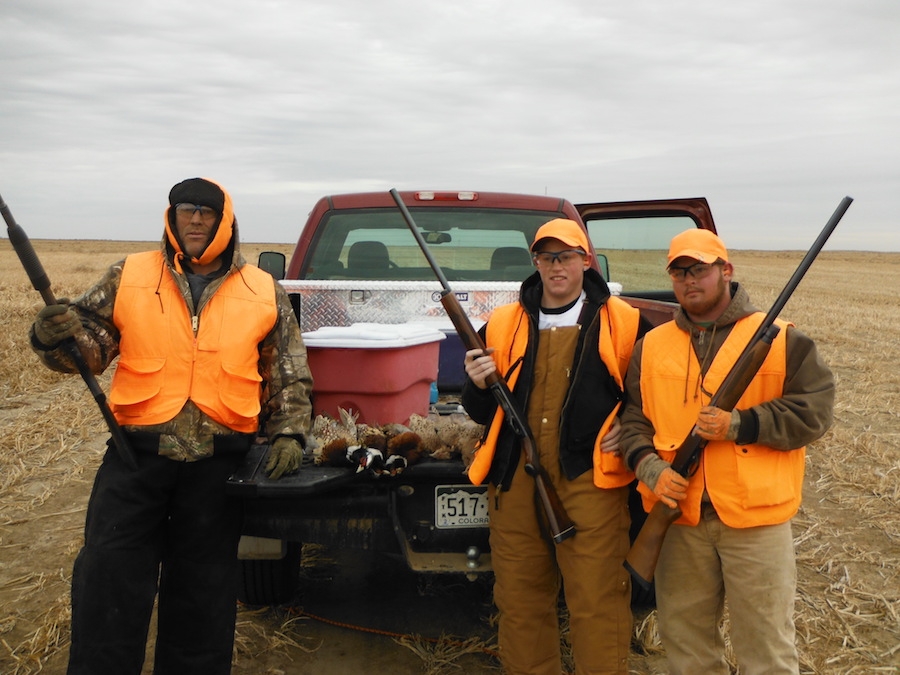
x=460, y=506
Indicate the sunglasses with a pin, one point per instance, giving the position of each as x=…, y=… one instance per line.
x=697, y=270
x=184, y=210
x=567, y=257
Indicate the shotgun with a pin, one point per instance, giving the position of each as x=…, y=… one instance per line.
x=41, y=283
x=644, y=553
x=560, y=525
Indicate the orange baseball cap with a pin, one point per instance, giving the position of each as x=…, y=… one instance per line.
x=567, y=231
x=698, y=244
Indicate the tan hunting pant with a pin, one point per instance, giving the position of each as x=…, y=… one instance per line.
x=754, y=568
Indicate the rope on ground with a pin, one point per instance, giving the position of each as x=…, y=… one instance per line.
x=377, y=631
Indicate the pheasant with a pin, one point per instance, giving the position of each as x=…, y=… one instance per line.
x=331, y=438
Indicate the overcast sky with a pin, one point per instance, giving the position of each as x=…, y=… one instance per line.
x=773, y=110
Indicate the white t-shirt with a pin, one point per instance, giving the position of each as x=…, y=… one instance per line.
x=568, y=317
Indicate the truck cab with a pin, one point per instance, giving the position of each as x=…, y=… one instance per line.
x=357, y=263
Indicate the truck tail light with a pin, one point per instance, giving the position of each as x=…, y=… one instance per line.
x=427, y=196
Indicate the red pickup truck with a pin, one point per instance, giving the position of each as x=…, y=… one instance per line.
x=355, y=264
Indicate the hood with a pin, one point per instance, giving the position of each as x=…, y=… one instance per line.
x=231, y=255
x=224, y=231
x=704, y=341
x=739, y=307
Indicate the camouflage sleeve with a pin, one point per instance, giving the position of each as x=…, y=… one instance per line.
x=286, y=404
x=99, y=342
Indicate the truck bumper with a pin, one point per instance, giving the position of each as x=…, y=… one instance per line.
x=338, y=508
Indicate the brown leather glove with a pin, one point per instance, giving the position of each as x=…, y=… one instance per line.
x=657, y=474
x=56, y=323
x=671, y=488
x=715, y=424
x=285, y=456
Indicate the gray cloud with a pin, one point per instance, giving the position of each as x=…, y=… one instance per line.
x=772, y=110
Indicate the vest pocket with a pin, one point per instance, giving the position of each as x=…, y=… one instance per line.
x=766, y=475
x=667, y=447
x=612, y=464
x=239, y=393
x=137, y=380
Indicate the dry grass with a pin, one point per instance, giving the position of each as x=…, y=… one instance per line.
x=847, y=533
x=260, y=630
x=442, y=654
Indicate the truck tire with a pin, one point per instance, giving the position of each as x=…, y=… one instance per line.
x=271, y=582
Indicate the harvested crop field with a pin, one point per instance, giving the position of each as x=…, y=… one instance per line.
x=847, y=534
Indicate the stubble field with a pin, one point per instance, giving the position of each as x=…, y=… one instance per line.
x=847, y=533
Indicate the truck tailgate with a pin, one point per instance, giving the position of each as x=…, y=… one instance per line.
x=250, y=479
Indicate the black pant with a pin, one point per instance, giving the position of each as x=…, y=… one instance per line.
x=166, y=526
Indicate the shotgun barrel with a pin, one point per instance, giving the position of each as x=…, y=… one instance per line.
x=560, y=525
x=41, y=282
x=644, y=553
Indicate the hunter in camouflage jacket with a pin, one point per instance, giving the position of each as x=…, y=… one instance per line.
x=287, y=382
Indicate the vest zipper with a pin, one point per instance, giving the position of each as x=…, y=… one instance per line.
x=195, y=324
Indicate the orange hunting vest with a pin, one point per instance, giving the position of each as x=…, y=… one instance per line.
x=507, y=332
x=163, y=363
x=749, y=485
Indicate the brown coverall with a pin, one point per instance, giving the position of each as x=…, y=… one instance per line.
x=529, y=565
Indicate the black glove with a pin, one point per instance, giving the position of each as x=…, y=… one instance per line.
x=56, y=323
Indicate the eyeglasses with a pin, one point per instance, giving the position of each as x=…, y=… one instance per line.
x=188, y=210
x=567, y=257
x=697, y=270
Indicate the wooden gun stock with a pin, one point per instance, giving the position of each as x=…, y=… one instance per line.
x=41, y=283
x=560, y=525
x=644, y=552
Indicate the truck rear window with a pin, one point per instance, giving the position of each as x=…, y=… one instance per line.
x=469, y=244
x=635, y=249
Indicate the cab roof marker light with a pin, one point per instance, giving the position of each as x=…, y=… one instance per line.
x=429, y=196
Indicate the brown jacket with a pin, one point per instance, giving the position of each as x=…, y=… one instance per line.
x=800, y=415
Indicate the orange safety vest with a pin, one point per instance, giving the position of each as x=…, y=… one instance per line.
x=163, y=363
x=507, y=333
x=749, y=484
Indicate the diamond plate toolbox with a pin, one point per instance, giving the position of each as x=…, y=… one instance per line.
x=345, y=302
